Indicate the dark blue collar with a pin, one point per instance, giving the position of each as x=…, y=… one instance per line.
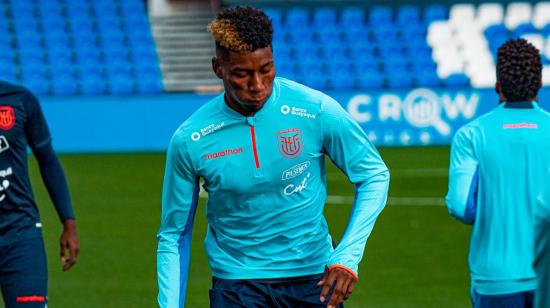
x=519, y=105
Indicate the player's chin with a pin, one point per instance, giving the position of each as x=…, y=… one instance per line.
x=254, y=105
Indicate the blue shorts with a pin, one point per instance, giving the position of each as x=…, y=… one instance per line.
x=277, y=293
x=514, y=300
x=24, y=274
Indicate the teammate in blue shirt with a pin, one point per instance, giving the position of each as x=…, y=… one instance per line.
x=261, y=147
x=23, y=271
x=498, y=168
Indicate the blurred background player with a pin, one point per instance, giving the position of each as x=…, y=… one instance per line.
x=23, y=268
x=263, y=166
x=542, y=249
x=498, y=168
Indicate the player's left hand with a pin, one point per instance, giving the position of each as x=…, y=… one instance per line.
x=69, y=245
x=343, y=282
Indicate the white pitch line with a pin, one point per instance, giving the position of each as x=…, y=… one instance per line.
x=407, y=173
x=405, y=201
x=416, y=201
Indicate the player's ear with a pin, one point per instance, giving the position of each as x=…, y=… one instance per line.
x=217, y=67
x=497, y=87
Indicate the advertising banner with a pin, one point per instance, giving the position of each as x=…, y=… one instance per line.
x=146, y=123
x=419, y=116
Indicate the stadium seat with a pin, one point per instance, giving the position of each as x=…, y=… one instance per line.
x=462, y=13
x=541, y=15
x=38, y=84
x=456, y=80
x=8, y=73
x=360, y=53
x=121, y=84
x=439, y=33
x=92, y=85
x=324, y=16
x=63, y=84
x=517, y=13
x=536, y=39
x=285, y=69
x=328, y=36
x=274, y=14
x=333, y=53
x=315, y=79
x=434, y=12
x=369, y=80
x=352, y=16
x=546, y=50
x=489, y=14
x=386, y=35
x=524, y=29
x=365, y=64
x=297, y=17
x=380, y=16
x=408, y=15
x=399, y=80
x=355, y=35
x=427, y=78
x=149, y=84
x=59, y=47
x=411, y=34
x=396, y=65
x=342, y=80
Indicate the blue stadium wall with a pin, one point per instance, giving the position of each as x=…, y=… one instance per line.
x=145, y=123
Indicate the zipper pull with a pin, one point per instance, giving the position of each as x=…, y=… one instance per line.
x=251, y=121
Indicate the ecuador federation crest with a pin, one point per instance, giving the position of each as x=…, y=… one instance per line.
x=290, y=142
x=7, y=117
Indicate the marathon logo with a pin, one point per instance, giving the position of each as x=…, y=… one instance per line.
x=295, y=171
x=519, y=125
x=31, y=299
x=227, y=152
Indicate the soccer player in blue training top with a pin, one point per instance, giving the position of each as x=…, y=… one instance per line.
x=23, y=271
x=260, y=147
x=498, y=168
x=542, y=248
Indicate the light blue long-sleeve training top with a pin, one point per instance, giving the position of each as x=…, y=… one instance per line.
x=498, y=168
x=266, y=181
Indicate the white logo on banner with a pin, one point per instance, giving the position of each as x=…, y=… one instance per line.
x=421, y=108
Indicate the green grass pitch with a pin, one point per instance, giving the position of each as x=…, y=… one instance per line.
x=416, y=256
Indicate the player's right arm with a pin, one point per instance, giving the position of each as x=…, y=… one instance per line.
x=179, y=203
x=461, y=197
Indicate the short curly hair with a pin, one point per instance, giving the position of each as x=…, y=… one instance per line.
x=519, y=70
x=242, y=29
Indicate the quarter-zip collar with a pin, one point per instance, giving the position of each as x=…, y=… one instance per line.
x=520, y=105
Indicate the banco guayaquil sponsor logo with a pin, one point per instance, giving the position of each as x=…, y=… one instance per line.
x=296, y=111
x=196, y=136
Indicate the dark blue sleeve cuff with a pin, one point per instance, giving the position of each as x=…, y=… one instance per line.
x=471, y=203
